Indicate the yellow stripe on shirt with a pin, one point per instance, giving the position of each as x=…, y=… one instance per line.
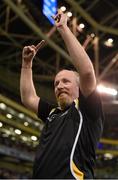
x=78, y=174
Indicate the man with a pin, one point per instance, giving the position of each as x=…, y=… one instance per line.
x=72, y=130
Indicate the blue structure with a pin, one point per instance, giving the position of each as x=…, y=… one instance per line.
x=50, y=9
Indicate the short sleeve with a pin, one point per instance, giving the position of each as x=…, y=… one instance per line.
x=91, y=105
x=44, y=109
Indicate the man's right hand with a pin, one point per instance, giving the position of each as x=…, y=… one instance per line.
x=29, y=52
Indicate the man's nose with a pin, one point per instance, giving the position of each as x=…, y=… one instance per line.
x=60, y=85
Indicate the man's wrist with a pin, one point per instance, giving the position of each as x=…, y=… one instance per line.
x=62, y=28
x=26, y=67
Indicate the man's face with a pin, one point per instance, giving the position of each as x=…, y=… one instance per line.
x=66, y=88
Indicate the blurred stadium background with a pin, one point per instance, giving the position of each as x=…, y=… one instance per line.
x=24, y=22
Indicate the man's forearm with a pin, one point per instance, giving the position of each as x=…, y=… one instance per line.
x=27, y=89
x=80, y=58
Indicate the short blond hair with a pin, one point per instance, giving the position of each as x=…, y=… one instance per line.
x=75, y=72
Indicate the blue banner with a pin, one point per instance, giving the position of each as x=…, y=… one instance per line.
x=50, y=9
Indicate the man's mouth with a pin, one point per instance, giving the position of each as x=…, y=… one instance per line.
x=61, y=93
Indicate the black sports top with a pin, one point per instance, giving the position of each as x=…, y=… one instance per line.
x=69, y=139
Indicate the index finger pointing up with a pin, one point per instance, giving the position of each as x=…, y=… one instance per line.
x=40, y=45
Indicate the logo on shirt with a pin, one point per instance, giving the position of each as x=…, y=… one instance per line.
x=53, y=116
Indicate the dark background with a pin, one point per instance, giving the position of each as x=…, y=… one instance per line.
x=101, y=18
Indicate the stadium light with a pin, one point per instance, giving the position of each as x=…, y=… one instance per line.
x=107, y=90
x=1, y=124
x=34, y=138
x=109, y=42
x=17, y=131
x=63, y=8
x=69, y=14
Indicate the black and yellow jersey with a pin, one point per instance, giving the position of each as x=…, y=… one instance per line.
x=69, y=139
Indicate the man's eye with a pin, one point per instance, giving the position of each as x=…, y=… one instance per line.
x=65, y=80
x=56, y=83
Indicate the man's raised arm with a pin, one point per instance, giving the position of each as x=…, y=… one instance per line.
x=28, y=93
x=81, y=61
